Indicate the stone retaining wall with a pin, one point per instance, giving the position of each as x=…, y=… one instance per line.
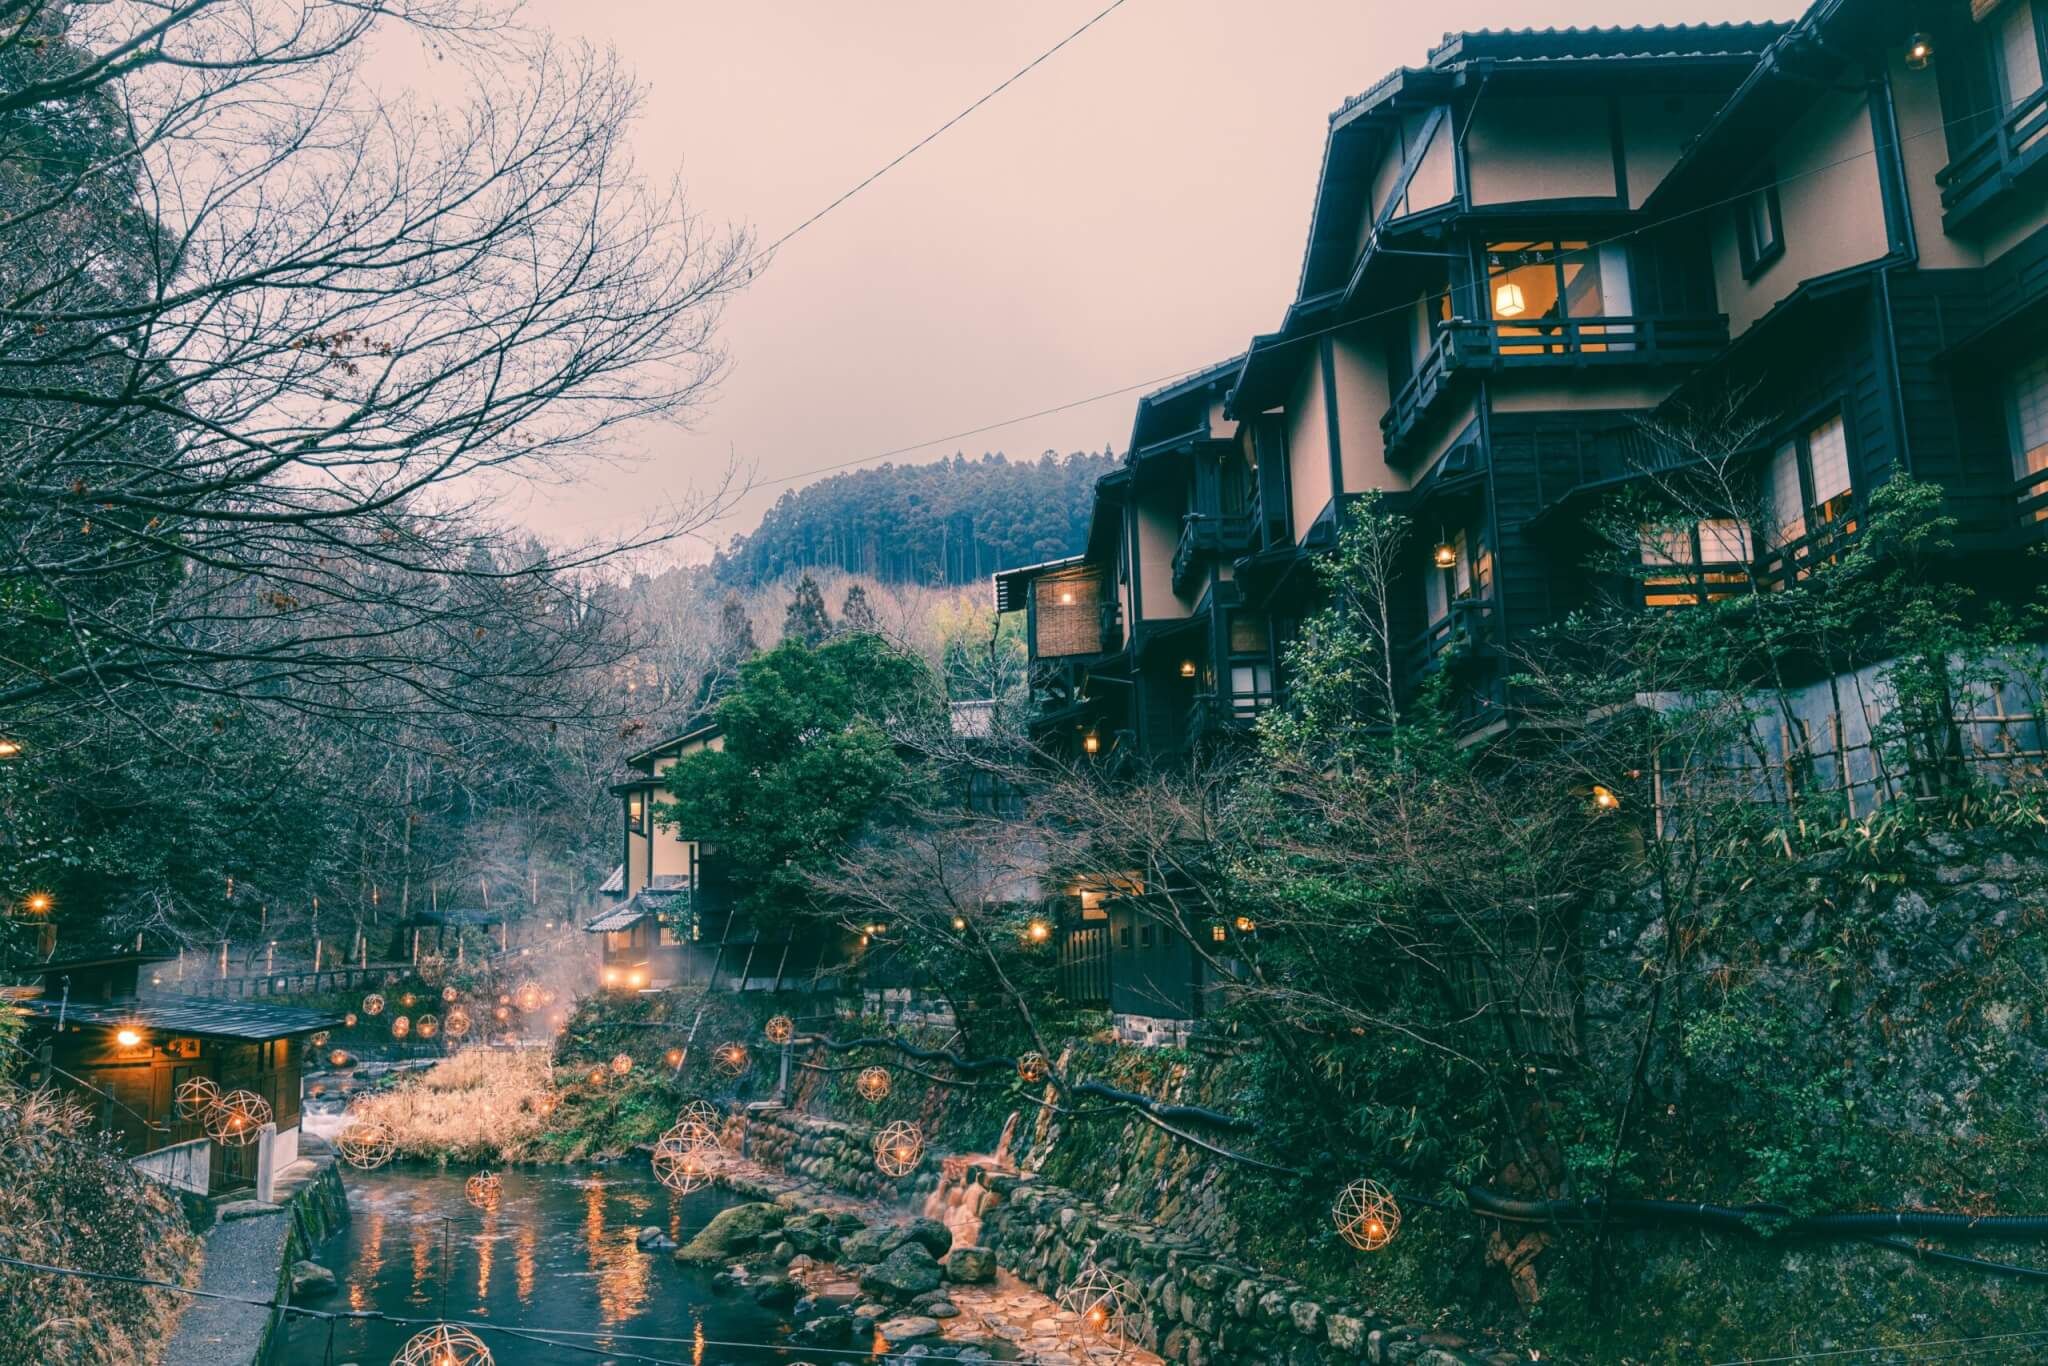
x=1193, y=1305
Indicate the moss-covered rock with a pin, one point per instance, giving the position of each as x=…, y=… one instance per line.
x=734, y=1230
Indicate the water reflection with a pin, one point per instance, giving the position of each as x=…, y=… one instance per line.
x=569, y=1237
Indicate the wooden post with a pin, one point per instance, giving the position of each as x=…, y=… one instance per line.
x=415, y=946
x=270, y=957
x=223, y=959
x=316, y=955
x=181, y=965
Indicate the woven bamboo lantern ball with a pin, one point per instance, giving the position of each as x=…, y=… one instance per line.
x=400, y=1026
x=444, y=1345
x=898, y=1149
x=700, y=1112
x=596, y=1077
x=457, y=1023
x=674, y=1057
x=1366, y=1215
x=349, y=1019
x=483, y=1190
x=365, y=1145
x=449, y=994
x=373, y=1004
x=319, y=1039
x=195, y=1096
x=684, y=1158
x=1103, y=1301
x=622, y=1063
x=729, y=1059
x=781, y=1029
x=236, y=1120
x=1032, y=1068
x=873, y=1084
x=339, y=1058
x=528, y=996
x=408, y=1000
x=501, y=1012
x=426, y=1026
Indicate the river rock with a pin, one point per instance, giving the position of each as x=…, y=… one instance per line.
x=909, y=1270
x=826, y=1330
x=936, y=1237
x=310, y=1279
x=652, y=1239
x=969, y=1265
x=775, y=1292
x=731, y=1231
x=907, y=1329
x=870, y=1245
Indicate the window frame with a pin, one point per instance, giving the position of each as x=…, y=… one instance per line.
x=2016, y=440
x=1758, y=257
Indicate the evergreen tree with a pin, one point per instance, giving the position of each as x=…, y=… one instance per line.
x=735, y=633
x=807, y=620
x=856, y=614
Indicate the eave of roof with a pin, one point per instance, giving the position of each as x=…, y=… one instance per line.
x=697, y=730
x=187, y=1015
x=1009, y=583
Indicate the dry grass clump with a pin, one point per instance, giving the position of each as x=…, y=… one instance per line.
x=68, y=1197
x=481, y=1105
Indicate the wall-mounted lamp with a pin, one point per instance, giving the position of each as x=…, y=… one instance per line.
x=1092, y=743
x=1187, y=668
x=1919, y=52
x=1445, y=556
x=1508, y=301
x=1039, y=931
x=1066, y=597
x=9, y=748
x=128, y=1038
x=1604, y=798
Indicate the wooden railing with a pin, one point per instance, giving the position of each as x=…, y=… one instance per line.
x=2030, y=505
x=1215, y=714
x=1622, y=340
x=2014, y=145
x=1201, y=534
x=1468, y=625
x=1784, y=565
x=290, y=981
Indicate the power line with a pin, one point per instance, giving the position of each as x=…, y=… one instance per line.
x=1776, y=182
x=932, y=136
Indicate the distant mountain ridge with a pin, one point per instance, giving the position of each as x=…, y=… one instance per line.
x=949, y=522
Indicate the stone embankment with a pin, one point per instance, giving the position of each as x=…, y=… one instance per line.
x=1189, y=1303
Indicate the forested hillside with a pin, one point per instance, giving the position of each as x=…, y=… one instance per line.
x=952, y=521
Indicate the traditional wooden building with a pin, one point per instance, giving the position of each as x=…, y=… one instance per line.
x=1527, y=257
x=122, y=1051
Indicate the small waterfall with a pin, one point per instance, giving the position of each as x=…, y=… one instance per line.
x=1002, y=1154
x=957, y=1201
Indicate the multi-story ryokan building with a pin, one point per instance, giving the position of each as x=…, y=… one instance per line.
x=1519, y=251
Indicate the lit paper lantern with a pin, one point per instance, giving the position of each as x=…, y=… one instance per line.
x=373, y=1004
x=366, y=1145
x=194, y=1096
x=898, y=1149
x=1033, y=1068
x=1366, y=1215
x=236, y=1120
x=1103, y=1302
x=781, y=1029
x=483, y=1190
x=729, y=1059
x=873, y=1084
x=444, y=1345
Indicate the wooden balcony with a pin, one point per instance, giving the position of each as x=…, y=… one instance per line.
x=1785, y=565
x=1459, y=635
x=2014, y=148
x=1203, y=535
x=2030, y=505
x=1464, y=348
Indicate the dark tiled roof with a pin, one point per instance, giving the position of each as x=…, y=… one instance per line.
x=615, y=884
x=647, y=901
x=187, y=1015
x=1628, y=40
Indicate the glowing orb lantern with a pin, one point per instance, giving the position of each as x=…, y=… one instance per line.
x=400, y=1026
x=365, y=1145
x=622, y=1063
x=1366, y=1215
x=449, y=994
x=684, y=1157
x=457, y=1023
x=349, y=1019
x=528, y=996
x=194, y=1096
x=873, y=1084
x=729, y=1059
x=373, y=1004
x=444, y=1345
x=781, y=1029
x=1033, y=1068
x=898, y=1149
x=426, y=1026
x=236, y=1120
x=701, y=1113
x=1103, y=1302
x=483, y=1190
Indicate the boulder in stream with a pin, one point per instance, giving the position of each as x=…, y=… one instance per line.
x=907, y=1272
x=970, y=1265
x=732, y=1230
x=310, y=1279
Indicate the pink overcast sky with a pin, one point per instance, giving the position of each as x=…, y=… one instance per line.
x=1133, y=208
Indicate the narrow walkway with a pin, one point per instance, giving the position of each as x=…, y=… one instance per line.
x=242, y=1258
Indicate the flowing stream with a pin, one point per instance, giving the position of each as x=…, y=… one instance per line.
x=558, y=1252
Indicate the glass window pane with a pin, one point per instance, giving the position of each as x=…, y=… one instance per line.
x=1665, y=545
x=2030, y=416
x=2019, y=49
x=1788, y=504
x=1723, y=540
x=1521, y=280
x=1585, y=281
x=1828, y=447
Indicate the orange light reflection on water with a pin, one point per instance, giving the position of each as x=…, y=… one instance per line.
x=486, y=1254
x=522, y=1264
x=368, y=1263
x=620, y=1267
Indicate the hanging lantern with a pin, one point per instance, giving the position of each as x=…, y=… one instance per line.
x=685, y=1156
x=528, y=996
x=236, y=1120
x=1445, y=556
x=1187, y=668
x=504, y=998
x=319, y=1039
x=898, y=1149
x=426, y=1026
x=449, y=994
x=457, y=1023
x=483, y=1190
x=194, y=1096
x=781, y=1029
x=729, y=1059
x=365, y=1145
x=400, y=1026
x=873, y=1084
x=622, y=1063
x=1508, y=301
x=1033, y=1068
x=444, y=1345
x=1038, y=931
x=1919, y=52
x=1366, y=1215
x=1103, y=1302
x=373, y=1004
x=1092, y=743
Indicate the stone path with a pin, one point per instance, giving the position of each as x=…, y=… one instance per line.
x=1007, y=1308
x=243, y=1253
